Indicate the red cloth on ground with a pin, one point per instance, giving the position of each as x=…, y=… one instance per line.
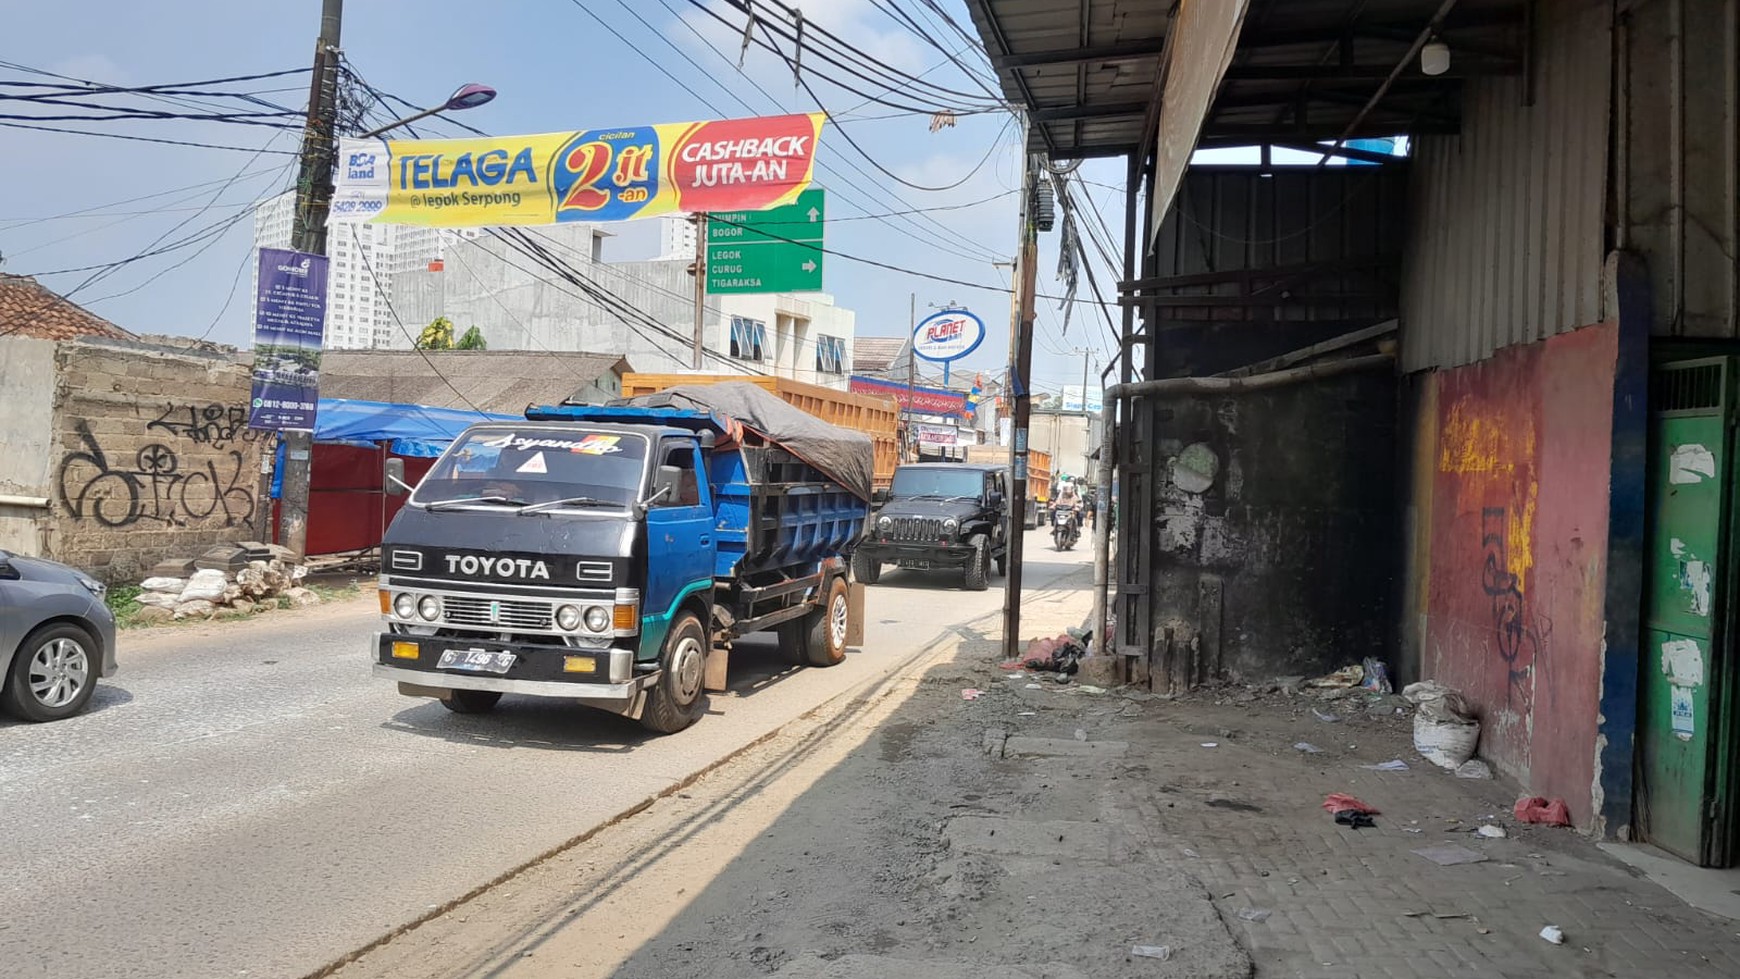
x=1337, y=802
x=1535, y=809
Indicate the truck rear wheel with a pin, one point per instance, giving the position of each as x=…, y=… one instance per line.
x=819, y=638
x=978, y=570
x=470, y=701
x=866, y=569
x=677, y=699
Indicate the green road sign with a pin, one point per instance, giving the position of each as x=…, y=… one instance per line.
x=777, y=250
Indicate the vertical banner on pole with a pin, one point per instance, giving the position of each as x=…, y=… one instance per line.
x=289, y=326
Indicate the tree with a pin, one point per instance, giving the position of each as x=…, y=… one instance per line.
x=472, y=340
x=438, y=335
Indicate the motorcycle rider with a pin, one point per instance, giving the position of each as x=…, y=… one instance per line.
x=1069, y=499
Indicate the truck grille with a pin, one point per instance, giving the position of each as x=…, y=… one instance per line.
x=492, y=613
x=915, y=528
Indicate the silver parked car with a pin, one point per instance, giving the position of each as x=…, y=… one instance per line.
x=56, y=638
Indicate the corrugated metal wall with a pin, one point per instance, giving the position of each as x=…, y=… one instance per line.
x=1506, y=239
x=1227, y=219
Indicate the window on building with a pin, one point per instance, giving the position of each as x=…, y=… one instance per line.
x=831, y=355
x=748, y=339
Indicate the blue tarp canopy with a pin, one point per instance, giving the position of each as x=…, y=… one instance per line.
x=413, y=430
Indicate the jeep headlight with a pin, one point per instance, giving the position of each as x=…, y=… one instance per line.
x=950, y=526
x=884, y=523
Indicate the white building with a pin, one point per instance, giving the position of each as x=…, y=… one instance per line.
x=359, y=306
x=677, y=237
x=519, y=305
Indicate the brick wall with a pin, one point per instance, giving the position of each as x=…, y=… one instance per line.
x=152, y=457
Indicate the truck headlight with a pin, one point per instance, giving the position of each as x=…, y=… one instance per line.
x=568, y=618
x=429, y=607
x=884, y=523
x=598, y=618
x=404, y=606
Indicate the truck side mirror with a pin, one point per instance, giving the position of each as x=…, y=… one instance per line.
x=666, y=481
x=394, y=484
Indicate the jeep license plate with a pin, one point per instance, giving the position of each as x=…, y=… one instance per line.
x=476, y=660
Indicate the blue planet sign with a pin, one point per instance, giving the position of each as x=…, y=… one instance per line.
x=948, y=335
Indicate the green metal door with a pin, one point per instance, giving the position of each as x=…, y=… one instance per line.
x=1683, y=759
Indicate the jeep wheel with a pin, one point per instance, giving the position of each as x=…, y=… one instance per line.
x=866, y=569
x=979, y=565
x=677, y=699
x=1003, y=566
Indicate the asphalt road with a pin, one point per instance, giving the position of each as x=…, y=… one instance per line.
x=245, y=799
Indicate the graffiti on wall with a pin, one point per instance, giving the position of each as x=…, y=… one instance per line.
x=154, y=486
x=215, y=425
x=1518, y=634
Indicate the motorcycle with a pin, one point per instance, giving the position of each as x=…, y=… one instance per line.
x=1065, y=527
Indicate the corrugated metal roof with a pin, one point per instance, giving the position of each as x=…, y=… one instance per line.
x=1506, y=226
x=1086, y=70
x=489, y=380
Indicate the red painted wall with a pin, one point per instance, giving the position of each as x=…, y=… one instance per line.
x=1516, y=559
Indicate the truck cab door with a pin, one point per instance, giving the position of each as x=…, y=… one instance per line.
x=679, y=544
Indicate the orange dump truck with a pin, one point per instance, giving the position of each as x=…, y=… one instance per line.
x=878, y=418
x=1038, y=477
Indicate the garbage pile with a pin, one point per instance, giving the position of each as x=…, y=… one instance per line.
x=1060, y=654
x=229, y=577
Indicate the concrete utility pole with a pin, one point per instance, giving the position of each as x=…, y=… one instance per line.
x=1020, y=378
x=313, y=196
x=700, y=287
x=1087, y=417
x=911, y=369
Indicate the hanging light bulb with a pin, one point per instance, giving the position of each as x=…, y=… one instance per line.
x=1435, y=57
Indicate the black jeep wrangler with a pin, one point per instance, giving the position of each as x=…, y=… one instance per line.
x=940, y=515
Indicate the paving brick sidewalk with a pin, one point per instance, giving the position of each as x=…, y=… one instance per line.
x=1245, y=817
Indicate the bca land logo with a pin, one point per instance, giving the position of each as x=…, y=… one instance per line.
x=948, y=335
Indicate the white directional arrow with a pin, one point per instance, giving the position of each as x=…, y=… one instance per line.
x=814, y=214
x=809, y=265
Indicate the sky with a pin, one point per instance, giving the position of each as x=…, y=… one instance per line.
x=556, y=68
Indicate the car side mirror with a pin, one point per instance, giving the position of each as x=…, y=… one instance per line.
x=395, y=484
x=8, y=572
x=878, y=496
x=666, y=480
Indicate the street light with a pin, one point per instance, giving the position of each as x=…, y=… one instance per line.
x=467, y=96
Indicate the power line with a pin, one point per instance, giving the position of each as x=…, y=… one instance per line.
x=142, y=139
x=388, y=300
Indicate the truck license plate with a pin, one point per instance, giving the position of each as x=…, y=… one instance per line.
x=476, y=660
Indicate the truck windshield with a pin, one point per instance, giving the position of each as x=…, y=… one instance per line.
x=937, y=482
x=524, y=466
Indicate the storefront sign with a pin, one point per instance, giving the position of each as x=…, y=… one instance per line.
x=932, y=401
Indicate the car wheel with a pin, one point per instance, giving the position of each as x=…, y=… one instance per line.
x=976, y=576
x=866, y=569
x=678, y=699
x=53, y=674
x=470, y=701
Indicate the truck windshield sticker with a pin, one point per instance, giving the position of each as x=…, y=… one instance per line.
x=534, y=465
x=591, y=444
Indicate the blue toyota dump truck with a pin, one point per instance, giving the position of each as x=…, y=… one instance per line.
x=609, y=555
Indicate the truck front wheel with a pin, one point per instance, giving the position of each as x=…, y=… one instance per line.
x=470, y=701
x=676, y=700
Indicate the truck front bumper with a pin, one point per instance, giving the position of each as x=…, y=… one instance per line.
x=605, y=676
x=918, y=555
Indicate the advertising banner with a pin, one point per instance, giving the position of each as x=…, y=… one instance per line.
x=932, y=401
x=591, y=175
x=289, y=324
x=946, y=435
